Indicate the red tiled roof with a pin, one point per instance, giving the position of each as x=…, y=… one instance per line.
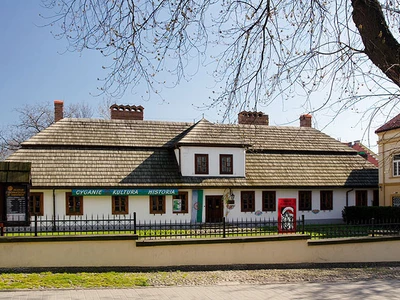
x=370, y=156
x=392, y=124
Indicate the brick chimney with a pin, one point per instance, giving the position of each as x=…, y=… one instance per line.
x=305, y=120
x=58, y=110
x=253, y=118
x=126, y=112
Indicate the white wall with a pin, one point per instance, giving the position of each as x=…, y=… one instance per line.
x=339, y=202
x=187, y=163
x=101, y=205
x=141, y=205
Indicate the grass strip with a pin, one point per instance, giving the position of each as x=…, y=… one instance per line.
x=47, y=280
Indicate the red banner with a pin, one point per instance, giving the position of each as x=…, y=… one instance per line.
x=286, y=215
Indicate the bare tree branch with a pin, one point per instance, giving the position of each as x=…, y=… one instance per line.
x=260, y=50
x=34, y=118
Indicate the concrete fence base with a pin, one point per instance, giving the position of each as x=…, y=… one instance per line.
x=126, y=251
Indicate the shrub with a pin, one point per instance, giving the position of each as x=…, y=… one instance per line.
x=362, y=214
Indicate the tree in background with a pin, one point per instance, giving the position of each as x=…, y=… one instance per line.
x=260, y=50
x=33, y=118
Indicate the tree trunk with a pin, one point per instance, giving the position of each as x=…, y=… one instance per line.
x=380, y=45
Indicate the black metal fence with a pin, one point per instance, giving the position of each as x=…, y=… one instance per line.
x=128, y=224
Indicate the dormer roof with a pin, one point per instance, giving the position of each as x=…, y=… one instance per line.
x=205, y=133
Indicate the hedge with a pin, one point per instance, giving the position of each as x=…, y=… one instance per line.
x=356, y=214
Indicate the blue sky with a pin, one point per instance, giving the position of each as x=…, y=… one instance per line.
x=36, y=68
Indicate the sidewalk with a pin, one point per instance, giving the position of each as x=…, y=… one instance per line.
x=372, y=289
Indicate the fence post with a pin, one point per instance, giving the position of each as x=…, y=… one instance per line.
x=373, y=226
x=134, y=222
x=35, y=224
x=302, y=224
x=223, y=224
x=54, y=227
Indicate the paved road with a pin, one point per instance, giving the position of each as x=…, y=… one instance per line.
x=373, y=289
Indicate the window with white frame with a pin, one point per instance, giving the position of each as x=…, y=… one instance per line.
x=396, y=165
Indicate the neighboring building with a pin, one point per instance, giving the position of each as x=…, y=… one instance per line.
x=365, y=152
x=192, y=171
x=389, y=162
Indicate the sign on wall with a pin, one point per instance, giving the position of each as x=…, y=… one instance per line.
x=16, y=197
x=14, y=191
x=177, y=205
x=124, y=192
x=286, y=215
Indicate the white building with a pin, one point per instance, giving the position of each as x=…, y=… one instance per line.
x=191, y=171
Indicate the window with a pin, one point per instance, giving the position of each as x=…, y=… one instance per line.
x=120, y=205
x=180, y=203
x=361, y=198
x=304, y=200
x=35, y=204
x=396, y=165
x=326, y=200
x=396, y=201
x=226, y=164
x=74, y=205
x=201, y=163
x=268, y=201
x=157, y=204
x=247, y=201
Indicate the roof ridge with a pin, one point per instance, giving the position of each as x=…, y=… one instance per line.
x=99, y=120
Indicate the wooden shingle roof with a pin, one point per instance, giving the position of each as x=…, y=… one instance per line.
x=151, y=168
x=120, y=133
x=99, y=167
x=311, y=170
x=109, y=133
x=116, y=153
x=261, y=137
